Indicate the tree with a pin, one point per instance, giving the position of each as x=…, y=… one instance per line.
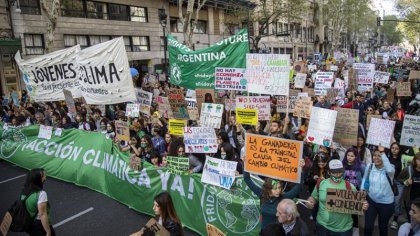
x=393, y=35
x=51, y=9
x=189, y=18
x=410, y=10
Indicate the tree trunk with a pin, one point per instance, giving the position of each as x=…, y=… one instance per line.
x=51, y=10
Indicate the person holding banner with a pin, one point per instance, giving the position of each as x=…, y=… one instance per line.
x=166, y=215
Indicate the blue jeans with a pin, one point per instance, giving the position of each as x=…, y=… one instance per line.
x=384, y=213
x=322, y=231
x=397, y=199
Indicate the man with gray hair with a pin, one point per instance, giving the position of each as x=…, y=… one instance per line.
x=288, y=221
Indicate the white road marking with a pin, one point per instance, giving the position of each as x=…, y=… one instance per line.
x=72, y=217
x=7, y=180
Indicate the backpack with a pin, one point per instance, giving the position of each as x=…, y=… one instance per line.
x=21, y=219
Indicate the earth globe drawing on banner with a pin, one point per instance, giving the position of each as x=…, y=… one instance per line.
x=12, y=138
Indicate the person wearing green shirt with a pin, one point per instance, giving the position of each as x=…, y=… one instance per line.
x=332, y=223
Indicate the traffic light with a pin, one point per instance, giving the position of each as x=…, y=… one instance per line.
x=378, y=21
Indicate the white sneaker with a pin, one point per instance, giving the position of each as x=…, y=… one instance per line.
x=394, y=225
x=311, y=218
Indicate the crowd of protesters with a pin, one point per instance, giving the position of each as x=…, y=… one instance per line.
x=377, y=170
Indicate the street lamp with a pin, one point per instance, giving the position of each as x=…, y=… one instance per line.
x=163, y=21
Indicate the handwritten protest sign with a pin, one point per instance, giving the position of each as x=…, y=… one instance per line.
x=282, y=103
x=204, y=95
x=213, y=231
x=192, y=108
x=300, y=80
x=303, y=107
x=268, y=73
x=176, y=127
x=122, y=130
x=299, y=67
x=365, y=74
x=381, y=77
x=346, y=127
x=380, y=132
x=230, y=104
x=321, y=126
x=69, y=101
x=211, y=115
x=178, y=104
x=178, y=165
x=345, y=201
x=135, y=163
x=219, y=172
x=403, y=89
x=323, y=82
x=144, y=99
x=273, y=157
x=190, y=94
x=410, y=135
x=45, y=132
x=230, y=79
x=390, y=95
x=200, y=140
x=246, y=116
x=5, y=223
x=369, y=118
x=261, y=103
x=164, y=107
x=155, y=227
x=414, y=74
x=132, y=109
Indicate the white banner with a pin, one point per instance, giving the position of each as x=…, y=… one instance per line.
x=323, y=82
x=380, y=132
x=410, y=134
x=230, y=79
x=219, y=172
x=261, y=103
x=321, y=126
x=381, y=77
x=200, y=140
x=145, y=101
x=211, y=115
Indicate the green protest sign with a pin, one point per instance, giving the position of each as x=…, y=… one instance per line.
x=178, y=165
x=195, y=69
x=89, y=159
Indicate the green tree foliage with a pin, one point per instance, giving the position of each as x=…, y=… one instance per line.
x=410, y=10
x=393, y=36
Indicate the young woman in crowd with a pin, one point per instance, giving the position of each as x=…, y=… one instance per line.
x=364, y=153
x=166, y=215
x=410, y=177
x=413, y=228
x=146, y=148
x=353, y=167
x=394, y=156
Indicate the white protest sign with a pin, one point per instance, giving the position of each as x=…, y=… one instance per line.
x=282, y=103
x=45, y=132
x=192, y=108
x=230, y=79
x=58, y=132
x=365, y=74
x=321, y=126
x=312, y=67
x=200, y=140
x=190, y=93
x=219, y=172
x=340, y=85
x=323, y=82
x=268, y=73
x=381, y=77
x=261, y=103
x=334, y=68
x=380, y=132
x=69, y=101
x=132, y=109
x=410, y=135
x=230, y=104
x=300, y=80
x=211, y=115
x=144, y=99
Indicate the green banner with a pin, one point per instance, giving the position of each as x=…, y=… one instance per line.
x=90, y=159
x=195, y=69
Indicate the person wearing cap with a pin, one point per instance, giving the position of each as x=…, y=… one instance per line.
x=377, y=181
x=332, y=223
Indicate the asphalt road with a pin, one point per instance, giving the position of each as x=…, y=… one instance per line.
x=74, y=210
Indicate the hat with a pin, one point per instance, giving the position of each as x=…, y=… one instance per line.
x=336, y=166
x=134, y=72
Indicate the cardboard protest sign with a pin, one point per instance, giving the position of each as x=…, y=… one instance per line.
x=246, y=116
x=300, y=80
x=369, y=118
x=45, y=132
x=403, y=89
x=380, y=132
x=178, y=104
x=176, y=127
x=5, y=224
x=164, y=107
x=303, y=107
x=345, y=201
x=261, y=103
x=230, y=104
x=299, y=67
x=213, y=231
x=381, y=77
x=410, y=134
x=155, y=227
x=390, y=95
x=192, y=108
x=211, y=115
x=200, y=140
x=144, y=99
x=273, y=157
x=69, y=101
x=323, y=82
x=132, y=109
x=321, y=126
x=346, y=127
x=204, y=95
x=268, y=73
x=414, y=74
x=178, y=165
x=230, y=79
x=122, y=131
x=310, y=91
x=365, y=74
x=283, y=106
x=219, y=172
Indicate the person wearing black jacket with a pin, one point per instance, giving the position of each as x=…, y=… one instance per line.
x=165, y=214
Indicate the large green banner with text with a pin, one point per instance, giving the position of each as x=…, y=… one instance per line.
x=91, y=160
x=195, y=69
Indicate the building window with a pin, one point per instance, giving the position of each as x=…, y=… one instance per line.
x=72, y=40
x=96, y=39
x=232, y=28
x=201, y=27
x=138, y=14
x=140, y=44
x=30, y=7
x=34, y=44
x=176, y=25
x=118, y=12
x=96, y=10
x=72, y=8
x=127, y=43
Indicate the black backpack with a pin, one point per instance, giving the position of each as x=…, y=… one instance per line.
x=21, y=219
